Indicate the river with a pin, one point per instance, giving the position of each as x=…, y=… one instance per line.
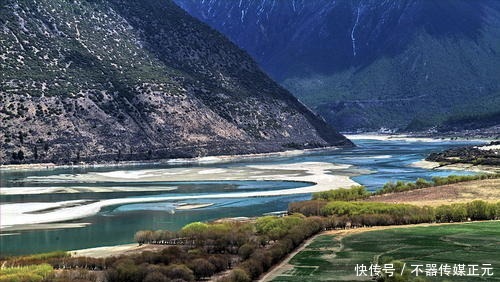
x=227, y=189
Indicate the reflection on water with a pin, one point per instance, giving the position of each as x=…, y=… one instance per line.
x=388, y=160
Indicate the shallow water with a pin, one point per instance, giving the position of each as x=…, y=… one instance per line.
x=387, y=160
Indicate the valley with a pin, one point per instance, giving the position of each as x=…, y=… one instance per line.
x=365, y=65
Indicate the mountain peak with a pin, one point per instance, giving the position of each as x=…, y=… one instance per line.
x=356, y=62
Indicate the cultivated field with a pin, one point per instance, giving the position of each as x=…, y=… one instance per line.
x=486, y=190
x=334, y=255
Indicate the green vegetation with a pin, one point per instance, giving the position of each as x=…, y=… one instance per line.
x=35, y=259
x=374, y=213
x=332, y=258
x=385, y=93
x=462, y=178
x=470, y=121
x=262, y=243
x=359, y=208
x=200, y=250
x=44, y=256
x=342, y=194
x=32, y=273
x=359, y=192
x=401, y=186
x=276, y=227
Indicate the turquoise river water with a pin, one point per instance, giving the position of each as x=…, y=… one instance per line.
x=386, y=160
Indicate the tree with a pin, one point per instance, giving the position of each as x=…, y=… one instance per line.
x=195, y=230
x=20, y=155
x=422, y=183
x=246, y=250
x=342, y=194
x=238, y=275
x=179, y=271
x=143, y=236
x=253, y=267
x=476, y=210
x=202, y=268
x=220, y=262
x=156, y=277
x=125, y=270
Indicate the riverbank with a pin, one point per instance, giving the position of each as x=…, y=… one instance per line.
x=176, y=161
x=232, y=158
x=411, y=138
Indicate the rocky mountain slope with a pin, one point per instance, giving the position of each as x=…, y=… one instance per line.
x=370, y=64
x=92, y=80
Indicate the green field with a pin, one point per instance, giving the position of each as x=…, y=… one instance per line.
x=329, y=259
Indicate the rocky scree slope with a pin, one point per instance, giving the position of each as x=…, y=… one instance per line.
x=95, y=80
x=408, y=64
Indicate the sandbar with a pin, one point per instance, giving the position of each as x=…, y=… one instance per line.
x=321, y=176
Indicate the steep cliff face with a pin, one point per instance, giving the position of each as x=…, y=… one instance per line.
x=104, y=80
x=371, y=64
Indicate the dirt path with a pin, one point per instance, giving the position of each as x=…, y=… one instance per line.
x=284, y=265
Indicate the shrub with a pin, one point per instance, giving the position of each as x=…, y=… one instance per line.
x=155, y=277
x=125, y=270
x=220, y=262
x=179, y=271
x=237, y=275
x=342, y=194
x=478, y=210
x=202, y=268
x=276, y=227
x=401, y=186
x=30, y=273
x=246, y=250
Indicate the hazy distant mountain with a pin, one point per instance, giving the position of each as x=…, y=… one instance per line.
x=372, y=63
x=105, y=80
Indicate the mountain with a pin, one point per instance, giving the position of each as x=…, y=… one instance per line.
x=367, y=64
x=96, y=80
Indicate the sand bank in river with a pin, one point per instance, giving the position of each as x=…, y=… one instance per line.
x=192, y=206
x=81, y=189
x=458, y=166
x=320, y=175
x=118, y=250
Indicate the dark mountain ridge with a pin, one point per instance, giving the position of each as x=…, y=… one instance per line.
x=132, y=80
x=371, y=64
